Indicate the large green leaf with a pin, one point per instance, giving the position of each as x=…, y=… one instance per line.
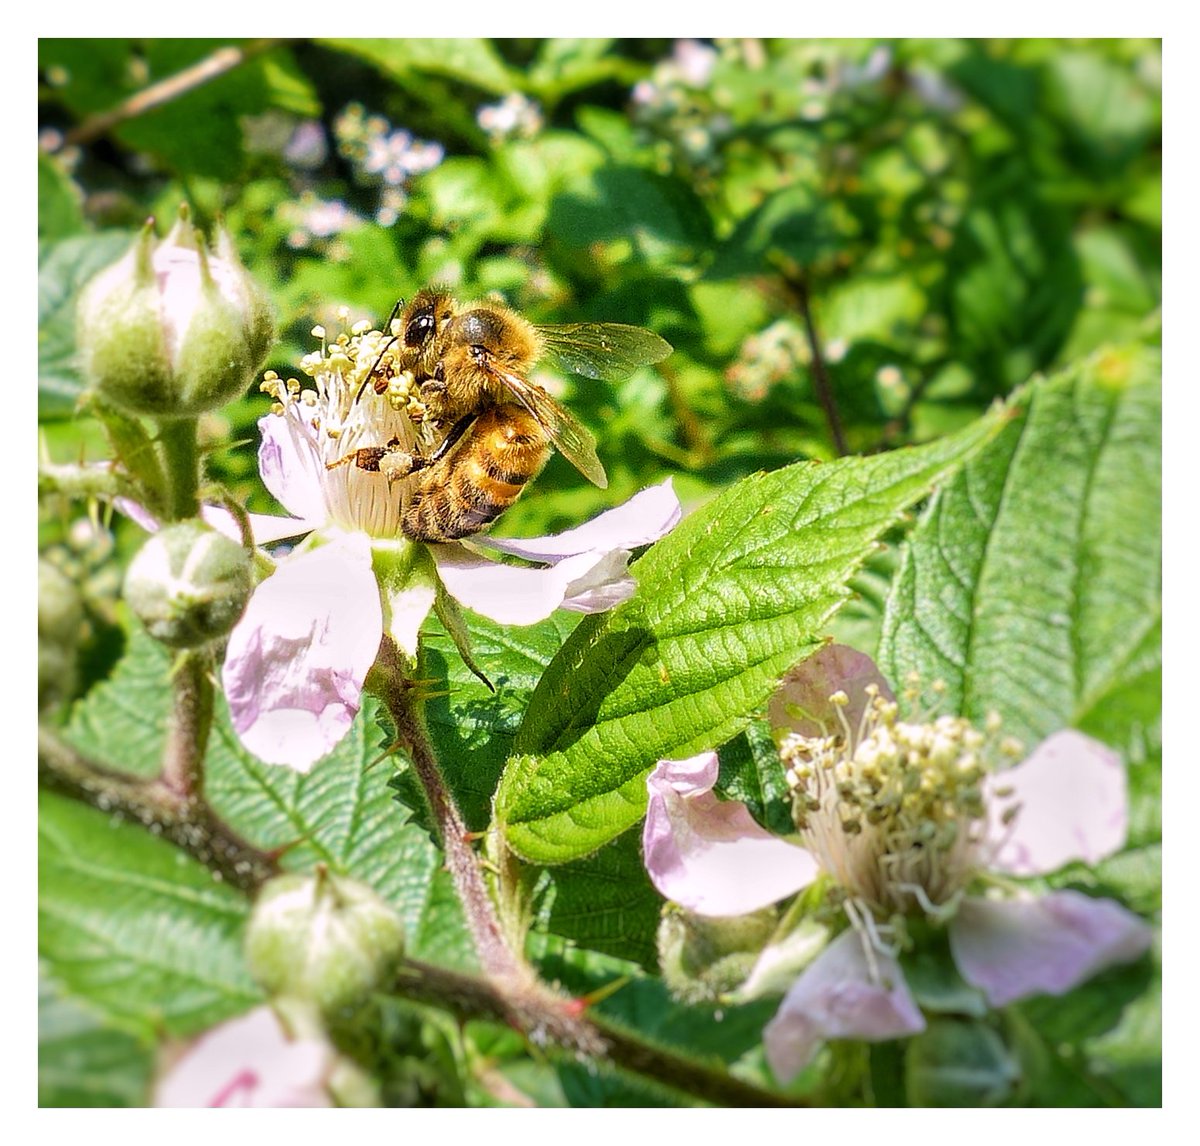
x=84, y=1062
x=136, y=927
x=1031, y=586
x=736, y=595
x=122, y=722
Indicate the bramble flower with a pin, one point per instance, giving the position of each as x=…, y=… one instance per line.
x=250, y=1061
x=296, y=662
x=904, y=819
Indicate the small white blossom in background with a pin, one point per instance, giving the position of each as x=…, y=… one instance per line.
x=313, y=219
x=906, y=819
x=296, y=663
x=516, y=116
x=383, y=155
x=767, y=358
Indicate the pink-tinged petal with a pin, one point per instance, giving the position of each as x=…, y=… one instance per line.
x=297, y=660
x=1071, y=795
x=644, y=518
x=801, y=703
x=709, y=855
x=138, y=514
x=513, y=594
x=291, y=464
x=837, y=998
x=249, y=1061
x=1048, y=945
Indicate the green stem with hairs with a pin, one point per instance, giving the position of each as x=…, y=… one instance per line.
x=181, y=458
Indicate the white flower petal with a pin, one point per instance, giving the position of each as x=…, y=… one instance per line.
x=512, y=594
x=604, y=586
x=644, y=518
x=836, y=998
x=248, y=1061
x=290, y=463
x=708, y=854
x=296, y=661
x=801, y=703
x=264, y=527
x=1072, y=798
x=1018, y=947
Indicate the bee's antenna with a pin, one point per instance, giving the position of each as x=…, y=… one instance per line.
x=387, y=346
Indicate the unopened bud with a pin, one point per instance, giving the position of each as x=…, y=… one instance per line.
x=189, y=584
x=703, y=957
x=322, y=937
x=172, y=330
x=960, y=1062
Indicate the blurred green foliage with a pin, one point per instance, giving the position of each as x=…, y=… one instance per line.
x=959, y=214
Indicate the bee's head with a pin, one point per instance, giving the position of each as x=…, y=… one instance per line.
x=424, y=317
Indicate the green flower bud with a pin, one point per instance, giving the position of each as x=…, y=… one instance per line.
x=960, y=1062
x=322, y=937
x=703, y=957
x=60, y=615
x=189, y=584
x=172, y=330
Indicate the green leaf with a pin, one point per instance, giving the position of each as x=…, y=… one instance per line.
x=473, y=728
x=471, y=61
x=604, y=903
x=84, y=1062
x=135, y=926
x=63, y=269
x=1031, y=586
x=736, y=595
x=60, y=209
x=122, y=722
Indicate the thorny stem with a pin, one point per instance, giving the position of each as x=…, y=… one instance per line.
x=796, y=282
x=186, y=820
x=406, y=709
x=595, y=1038
x=217, y=64
x=84, y=482
x=191, y=719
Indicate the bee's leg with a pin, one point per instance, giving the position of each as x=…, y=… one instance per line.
x=450, y=440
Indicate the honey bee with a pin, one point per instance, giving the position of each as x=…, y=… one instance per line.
x=472, y=365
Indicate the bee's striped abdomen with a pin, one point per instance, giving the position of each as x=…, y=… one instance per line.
x=478, y=480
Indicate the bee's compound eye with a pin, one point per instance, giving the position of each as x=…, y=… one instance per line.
x=419, y=329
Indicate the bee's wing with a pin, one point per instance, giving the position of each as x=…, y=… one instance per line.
x=569, y=435
x=605, y=350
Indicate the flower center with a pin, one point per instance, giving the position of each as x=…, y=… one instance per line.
x=360, y=400
x=894, y=811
